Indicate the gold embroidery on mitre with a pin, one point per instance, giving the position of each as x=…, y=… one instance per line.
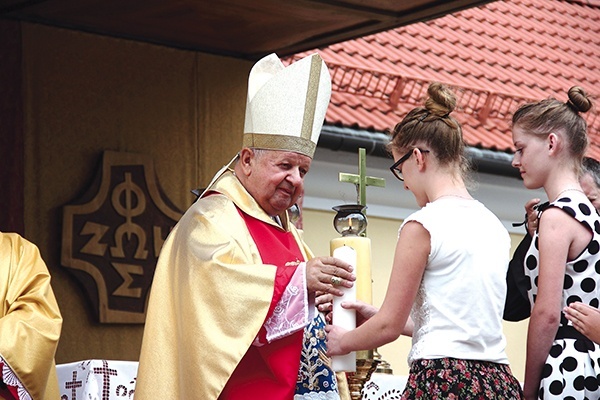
x=312, y=92
x=280, y=142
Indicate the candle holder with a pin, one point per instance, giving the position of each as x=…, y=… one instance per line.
x=350, y=219
x=351, y=222
x=357, y=380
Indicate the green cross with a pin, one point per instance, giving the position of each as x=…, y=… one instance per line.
x=361, y=180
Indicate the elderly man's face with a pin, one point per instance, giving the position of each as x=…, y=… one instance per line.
x=590, y=189
x=274, y=178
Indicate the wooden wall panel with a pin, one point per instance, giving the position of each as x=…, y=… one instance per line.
x=11, y=129
x=84, y=94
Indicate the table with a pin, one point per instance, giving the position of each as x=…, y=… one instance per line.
x=97, y=380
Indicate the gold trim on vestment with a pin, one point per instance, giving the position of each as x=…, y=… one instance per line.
x=280, y=142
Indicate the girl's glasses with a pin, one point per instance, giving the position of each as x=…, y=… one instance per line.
x=396, y=170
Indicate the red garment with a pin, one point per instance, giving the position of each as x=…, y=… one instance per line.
x=6, y=391
x=270, y=371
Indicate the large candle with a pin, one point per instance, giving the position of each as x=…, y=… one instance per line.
x=362, y=245
x=343, y=317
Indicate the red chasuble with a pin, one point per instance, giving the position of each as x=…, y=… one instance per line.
x=270, y=371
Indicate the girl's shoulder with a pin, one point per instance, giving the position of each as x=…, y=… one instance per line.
x=571, y=220
x=578, y=207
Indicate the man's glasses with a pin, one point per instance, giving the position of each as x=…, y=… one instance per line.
x=396, y=170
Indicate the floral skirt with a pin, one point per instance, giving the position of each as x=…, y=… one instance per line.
x=450, y=378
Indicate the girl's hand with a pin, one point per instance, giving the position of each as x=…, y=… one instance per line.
x=334, y=339
x=364, y=311
x=585, y=319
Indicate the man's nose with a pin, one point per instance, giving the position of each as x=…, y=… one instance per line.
x=295, y=177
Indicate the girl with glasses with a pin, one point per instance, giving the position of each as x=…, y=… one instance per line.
x=563, y=261
x=447, y=286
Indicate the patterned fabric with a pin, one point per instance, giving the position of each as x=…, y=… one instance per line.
x=291, y=312
x=573, y=365
x=97, y=380
x=453, y=379
x=316, y=379
x=384, y=386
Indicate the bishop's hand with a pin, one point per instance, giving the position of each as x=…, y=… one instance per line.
x=327, y=274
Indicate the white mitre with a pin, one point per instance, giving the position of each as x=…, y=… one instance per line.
x=285, y=107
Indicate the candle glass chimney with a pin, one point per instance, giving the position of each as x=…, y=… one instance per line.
x=350, y=219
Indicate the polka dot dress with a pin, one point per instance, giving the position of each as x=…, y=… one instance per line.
x=572, y=369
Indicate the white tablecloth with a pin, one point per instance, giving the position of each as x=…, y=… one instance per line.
x=115, y=380
x=97, y=380
x=384, y=387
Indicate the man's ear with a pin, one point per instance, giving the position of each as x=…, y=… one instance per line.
x=246, y=160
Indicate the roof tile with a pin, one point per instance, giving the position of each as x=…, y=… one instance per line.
x=505, y=52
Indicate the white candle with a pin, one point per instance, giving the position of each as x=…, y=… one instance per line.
x=341, y=316
x=364, y=282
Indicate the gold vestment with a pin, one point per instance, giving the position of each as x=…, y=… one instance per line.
x=30, y=320
x=209, y=298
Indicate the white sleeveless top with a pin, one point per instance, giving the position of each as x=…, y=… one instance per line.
x=458, y=309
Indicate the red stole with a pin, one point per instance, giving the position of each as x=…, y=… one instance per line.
x=270, y=371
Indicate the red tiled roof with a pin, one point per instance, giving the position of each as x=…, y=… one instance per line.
x=496, y=57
